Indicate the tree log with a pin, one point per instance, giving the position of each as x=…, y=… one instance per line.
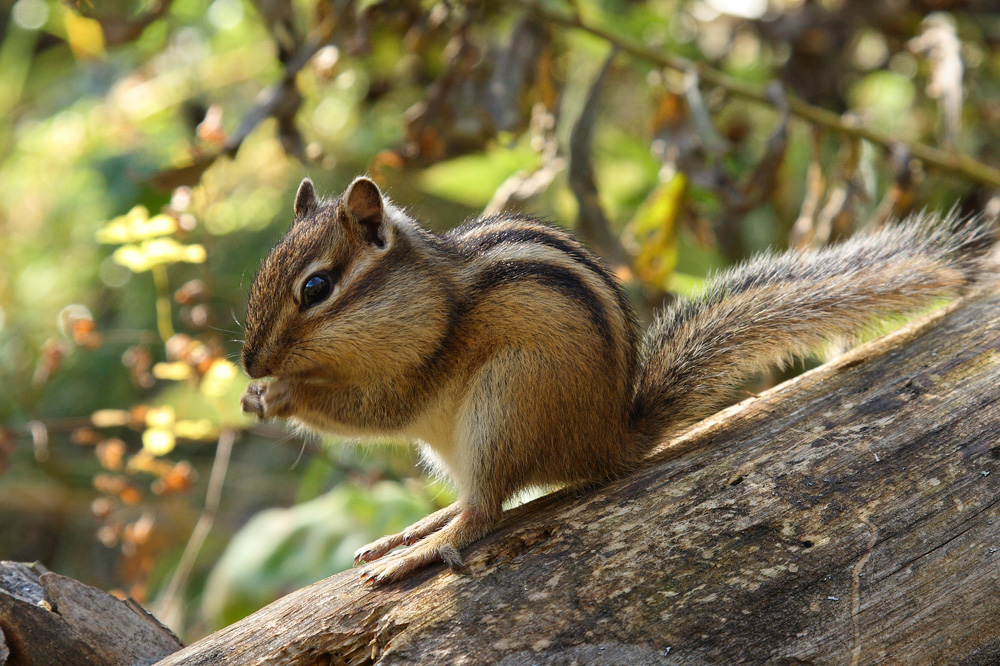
x=48, y=619
x=849, y=516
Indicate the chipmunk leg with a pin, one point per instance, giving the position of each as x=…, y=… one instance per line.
x=486, y=473
x=468, y=525
x=409, y=536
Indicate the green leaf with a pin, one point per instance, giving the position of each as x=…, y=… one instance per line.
x=654, y=231
x=474, y=179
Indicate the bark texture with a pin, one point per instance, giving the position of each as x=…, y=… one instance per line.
x=851, y=516
x=48, y=619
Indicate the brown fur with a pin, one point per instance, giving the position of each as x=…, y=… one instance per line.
x=511, y=354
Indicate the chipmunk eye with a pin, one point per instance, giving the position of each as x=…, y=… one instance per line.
x=316, y=289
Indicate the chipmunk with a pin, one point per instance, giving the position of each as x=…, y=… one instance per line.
x=512, y=356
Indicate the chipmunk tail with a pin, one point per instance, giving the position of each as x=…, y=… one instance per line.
x=777, y=307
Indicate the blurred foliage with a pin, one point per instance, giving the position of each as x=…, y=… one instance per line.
x=279, y=550
x=149, y=152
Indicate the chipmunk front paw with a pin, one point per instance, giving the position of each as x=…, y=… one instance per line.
x=267, y=400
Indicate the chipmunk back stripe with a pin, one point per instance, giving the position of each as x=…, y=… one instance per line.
x=486, y=234
x=545, y=235
x=558, y=278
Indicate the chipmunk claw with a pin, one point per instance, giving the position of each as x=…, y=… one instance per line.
x=266, y=400
x=372, y=577
x=404, y=564
x=377, y=549
x=252, y=399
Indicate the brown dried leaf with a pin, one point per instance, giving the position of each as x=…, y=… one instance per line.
x=385, y=160
x=190, y=292
x=118, y=485
x=179, y=479
x=85, y=437
x=131, y=495
x=211, y=129
x=139, y=532
x=196, y=317
x=109, y=535
x=102, y=507
x=137, y=417
x=144, y=461
x=939, y=42
x=138, y=360
x=49, y=360
x=111, y=454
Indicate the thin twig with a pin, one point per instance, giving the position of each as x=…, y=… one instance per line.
x=169, y=604
x=764, y=178
x=280, y=101
x=804, y=229
x=525, y=184
x=951, y=162
x=592, y=224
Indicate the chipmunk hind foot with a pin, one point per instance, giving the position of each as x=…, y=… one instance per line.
x=411, y=535
x=466, y=526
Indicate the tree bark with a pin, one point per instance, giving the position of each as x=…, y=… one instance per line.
x=48, y=619
x=849, y=516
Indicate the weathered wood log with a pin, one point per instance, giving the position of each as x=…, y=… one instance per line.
x=48, y=619
x=851, y=516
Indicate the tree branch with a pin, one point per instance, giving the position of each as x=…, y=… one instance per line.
x=168, y=606
x=949, y=162
x=592, y=224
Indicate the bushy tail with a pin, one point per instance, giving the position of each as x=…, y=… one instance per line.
x=779, y=306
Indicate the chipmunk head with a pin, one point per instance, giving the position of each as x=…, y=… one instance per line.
x=300, y=306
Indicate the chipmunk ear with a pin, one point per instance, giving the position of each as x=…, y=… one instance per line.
x=305, y=200
x=364, y=206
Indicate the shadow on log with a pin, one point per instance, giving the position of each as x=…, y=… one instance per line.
x=847, y=517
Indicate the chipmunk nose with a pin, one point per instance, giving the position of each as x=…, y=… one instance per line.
x=254, y=369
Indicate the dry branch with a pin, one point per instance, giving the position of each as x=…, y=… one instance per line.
x=849, y=516
x=591, y=223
